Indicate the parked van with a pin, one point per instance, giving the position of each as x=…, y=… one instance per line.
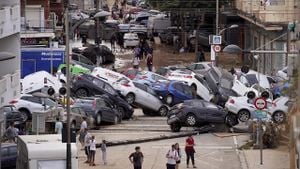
x=44, y=152
x=157, y=24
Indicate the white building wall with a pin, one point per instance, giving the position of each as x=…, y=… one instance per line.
x=10, y=42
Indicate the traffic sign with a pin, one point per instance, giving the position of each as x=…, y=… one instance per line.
x=260, y=103
x=260, y=114
x=217, y=48
x=215, y=39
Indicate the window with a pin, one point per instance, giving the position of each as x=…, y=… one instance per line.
x=98, y=82
x=187, y=90
x=179, y=87
x=199, y=66
x=152, y=92
x=251, y=78
x=140, y=86
x=32, y=99
x=85, y=60
x=75, y=110
x=202, y=81
x=7, y=109
x=214, y=76
x=49, y=102
x=192, y=67
x=109, y=89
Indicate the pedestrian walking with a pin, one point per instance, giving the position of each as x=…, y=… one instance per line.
x=103, y=150
x=172, y=157
x=190, y=151
x=149, y=61
x=92, y=151
x=58, y=126
x=200, y=56
x=82, y=131
x=137, y=158
x=113, y=40
x=87, y=145
x=177, y=148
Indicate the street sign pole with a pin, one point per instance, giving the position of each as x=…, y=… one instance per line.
x=260, y=141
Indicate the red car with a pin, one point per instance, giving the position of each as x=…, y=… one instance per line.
x=130, y=73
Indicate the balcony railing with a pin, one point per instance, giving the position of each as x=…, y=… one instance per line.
x=38, y=26
x=267, y=11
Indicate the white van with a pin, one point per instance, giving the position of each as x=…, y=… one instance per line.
x=44, y=152
x=107, y=75
x=37, y=81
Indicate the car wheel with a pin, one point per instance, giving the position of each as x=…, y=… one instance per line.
x=231, y=120
x=169, y=99
x=243, y=115
x=24, y=114
x=191, y=120
x=98, y=119
x=175, y=127
x=122, y=112
x=279, y=117
x=130, y=98
x=194, y=88
x=163, y=111
x=116, y=120
x=81, y=92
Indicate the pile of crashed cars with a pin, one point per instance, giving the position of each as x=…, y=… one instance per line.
x=193, y=95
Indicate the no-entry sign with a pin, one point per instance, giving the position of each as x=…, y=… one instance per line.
x=217, y=48
x=260, y=103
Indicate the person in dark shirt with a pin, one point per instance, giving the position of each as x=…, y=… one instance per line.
x=190, y=151
x=137, y=158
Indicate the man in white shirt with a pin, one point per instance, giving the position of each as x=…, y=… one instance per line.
x=172, y=157
x=82, y=131
x=58, y=126
x=87, y=143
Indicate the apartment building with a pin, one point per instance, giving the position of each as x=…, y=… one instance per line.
x=266, y=29
x=9, y=50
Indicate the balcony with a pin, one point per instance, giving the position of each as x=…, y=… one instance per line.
x=266, y=12
x=9, y=20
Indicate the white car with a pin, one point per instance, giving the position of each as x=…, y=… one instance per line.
x=107, y=75
x=244, y=108
x=37, y=81
x=141, y=95
x=138, y=29
x=197, y=82
x=27, y=104
x=131, y=40
x=200, y=67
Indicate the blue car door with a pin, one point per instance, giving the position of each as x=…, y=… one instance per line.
x=214, y=113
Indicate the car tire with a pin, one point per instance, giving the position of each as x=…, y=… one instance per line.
x=116, y=120
x=25, y=114
x=163, y=111
x=169, y=99
x=82, y=92
x=279, y=117
x=191, y=119
x=231, y=120
x=122, y=112
x=194, y=87
x=175, y=127
x=243, y=115
x=130, y=98
x=98, y=119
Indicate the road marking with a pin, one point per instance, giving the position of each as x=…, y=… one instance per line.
x=207, y=147
x=143, y=125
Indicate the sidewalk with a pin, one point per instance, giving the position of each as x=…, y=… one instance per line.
x=272, y=158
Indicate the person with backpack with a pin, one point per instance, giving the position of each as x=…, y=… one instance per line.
x=137, y=158
x=172, y=157
x=149, y=61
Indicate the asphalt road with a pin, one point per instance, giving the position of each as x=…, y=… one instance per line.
x=212, y=150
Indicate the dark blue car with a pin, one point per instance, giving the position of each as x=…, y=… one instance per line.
x=173, y=92
x=8, y=155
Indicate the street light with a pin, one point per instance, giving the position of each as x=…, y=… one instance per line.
x=230, y=27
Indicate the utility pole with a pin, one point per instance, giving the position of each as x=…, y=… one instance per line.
x=97, y=39
x=67, y=55
x=217, y=29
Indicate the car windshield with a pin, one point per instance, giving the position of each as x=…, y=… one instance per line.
x=251, y=78
x=226, y=83
x=49, y=102
x=215, y=76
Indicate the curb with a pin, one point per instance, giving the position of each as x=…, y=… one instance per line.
x=143, y=140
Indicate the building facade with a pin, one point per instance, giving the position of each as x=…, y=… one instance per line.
x=266, y=29
x=9, y=50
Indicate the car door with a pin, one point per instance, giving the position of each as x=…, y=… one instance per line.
x=213, y=113
x=203, y=89
x=141, y=94
x=239, y=85
x=152, y=98
x=179, y=91
x=98, y=88
x=34, y=104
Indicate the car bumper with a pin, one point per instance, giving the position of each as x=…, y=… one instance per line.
x=172, y=119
